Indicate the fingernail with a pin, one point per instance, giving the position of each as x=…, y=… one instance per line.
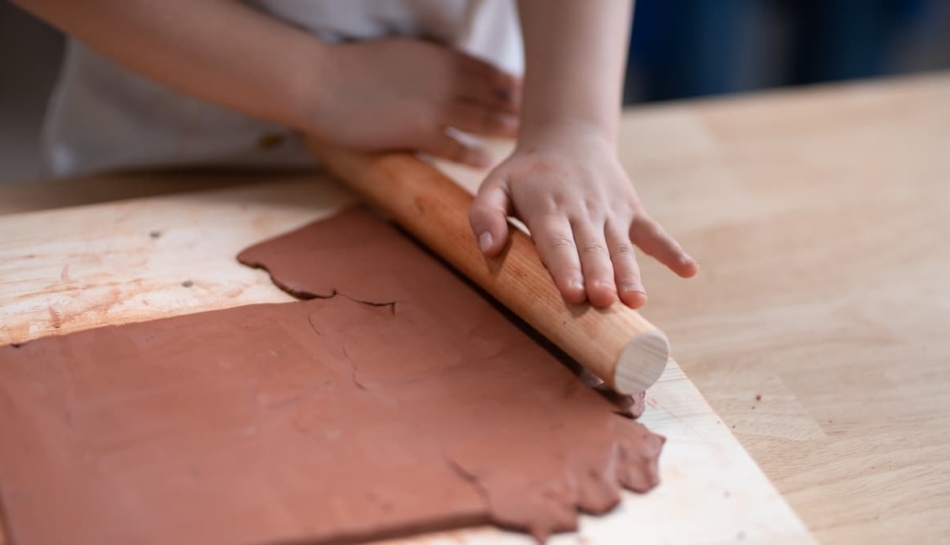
x=576, y=284
x=484, y=241
x=629, y=287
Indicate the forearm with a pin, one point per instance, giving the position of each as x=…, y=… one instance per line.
x=575, y=54
x=218, y=50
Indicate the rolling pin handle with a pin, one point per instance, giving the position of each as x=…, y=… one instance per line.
x=617, y=344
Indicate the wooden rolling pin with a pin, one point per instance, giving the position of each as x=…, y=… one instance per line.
x=617, y=344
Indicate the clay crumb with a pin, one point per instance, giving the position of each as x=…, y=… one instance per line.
x=758, y=397
x=187, y=284
x=155, y=234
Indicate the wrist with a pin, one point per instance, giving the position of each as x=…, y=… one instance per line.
x=307, y=94
x=564, y=130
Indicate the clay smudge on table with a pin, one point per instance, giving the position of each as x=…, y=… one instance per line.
x=404, y=403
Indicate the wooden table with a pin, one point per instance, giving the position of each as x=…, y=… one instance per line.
x=819, y=329
x=821, y=218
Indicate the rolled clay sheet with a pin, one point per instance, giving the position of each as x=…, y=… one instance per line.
x=395, y=401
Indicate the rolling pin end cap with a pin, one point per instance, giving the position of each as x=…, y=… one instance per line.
x=641, y=363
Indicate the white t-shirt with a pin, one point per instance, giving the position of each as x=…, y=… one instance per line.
x=102, y=116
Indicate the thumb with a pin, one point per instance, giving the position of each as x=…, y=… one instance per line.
x=489, y=216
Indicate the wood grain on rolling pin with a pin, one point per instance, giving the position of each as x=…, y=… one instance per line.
x=616, y=344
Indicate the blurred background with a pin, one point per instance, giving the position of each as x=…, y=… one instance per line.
x=687, y=48
x=679, y=49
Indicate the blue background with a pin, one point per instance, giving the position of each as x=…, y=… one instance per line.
x=684, y=48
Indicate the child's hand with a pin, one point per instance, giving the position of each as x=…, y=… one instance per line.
x=583, y=212
x=402, y=93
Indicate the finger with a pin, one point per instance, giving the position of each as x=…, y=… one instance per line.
x=555, y=241
x=478, y=119
x=444, y=146
x=489, y=216
x=626, y=270
x=650, y=237
x=506, y=98
x=595, y=263
x=504, y=85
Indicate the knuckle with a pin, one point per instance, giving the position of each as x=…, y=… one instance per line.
x=624, y=208
x=485, y=214
x=561, y=242
x=555, y=204
x=649, y=230
x=478, y=213
x=621, y=252
x=592, y=206
x=496, y=211
x=594, y=248
x=628, y=275
x=627, y=279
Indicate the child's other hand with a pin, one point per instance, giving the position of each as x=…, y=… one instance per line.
x=402, y=94
x=583, y=212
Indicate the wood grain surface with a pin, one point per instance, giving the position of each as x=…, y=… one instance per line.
x=74, y=268
x=822, y=221
x=819, y=327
